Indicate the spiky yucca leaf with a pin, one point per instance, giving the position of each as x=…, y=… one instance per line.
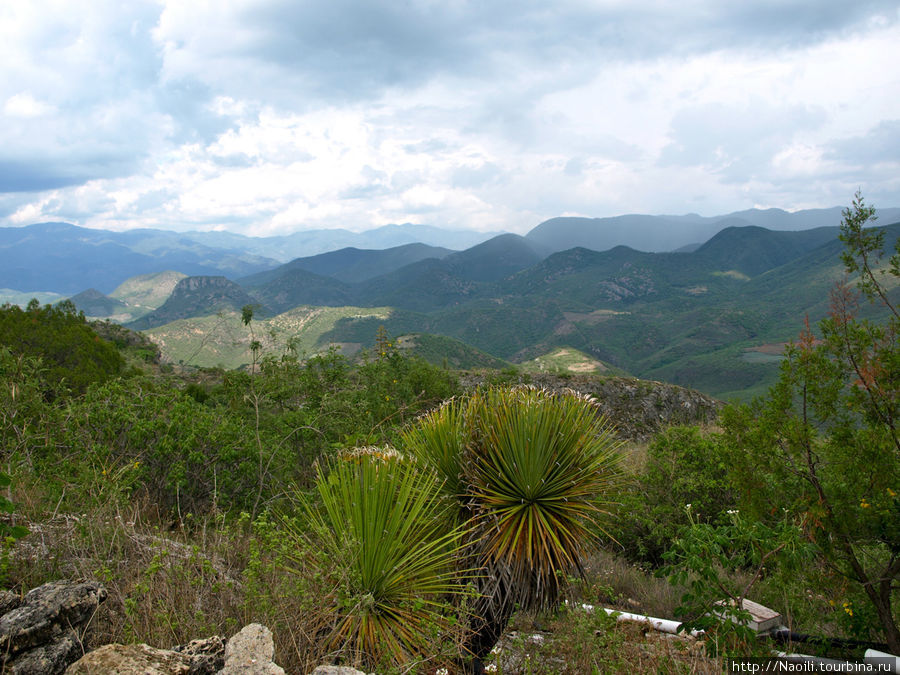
x=438, y=439
x=538, y=471
x=383, y=529
x=530, y=471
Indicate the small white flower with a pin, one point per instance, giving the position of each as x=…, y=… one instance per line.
x=732, y=512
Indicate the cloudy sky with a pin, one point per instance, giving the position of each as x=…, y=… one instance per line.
x=270, y=116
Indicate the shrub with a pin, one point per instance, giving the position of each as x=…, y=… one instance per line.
x=684, y=465
x=73, y=354
x=385, y=553
x=185, y=455
x=529, y=471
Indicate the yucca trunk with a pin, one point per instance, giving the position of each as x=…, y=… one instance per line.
x=491, y=614
x=529, y=471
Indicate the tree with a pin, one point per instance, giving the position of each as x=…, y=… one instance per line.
x=529, y=472
x=825, y=443
x=73, y=355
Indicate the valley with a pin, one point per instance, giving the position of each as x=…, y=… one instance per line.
x=704, y=318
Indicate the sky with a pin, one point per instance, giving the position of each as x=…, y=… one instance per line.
x=266, y=117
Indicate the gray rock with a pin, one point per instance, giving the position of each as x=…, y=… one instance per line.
x=208, y=654
x=9, y=601
x=250, y=652
x=336, y=670
x=132, y=660
x=43, y=634
x=50, y=658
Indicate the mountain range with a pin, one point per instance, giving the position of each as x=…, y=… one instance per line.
x=671, y=233
x=713, y=315
x=714, y=318
x=67, y=259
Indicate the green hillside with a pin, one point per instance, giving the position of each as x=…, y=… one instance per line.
x=448, y=353
x=352, y=264
x=196, y=296
x=147, y=292
x=298, y=287
x=95, y=304
x=223, y=340
x=565, y=360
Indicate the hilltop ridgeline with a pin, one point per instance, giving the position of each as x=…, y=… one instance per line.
x=637, y=409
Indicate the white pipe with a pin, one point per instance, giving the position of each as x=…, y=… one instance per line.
x=663, y=625
x=669, y=626
x=873, y=654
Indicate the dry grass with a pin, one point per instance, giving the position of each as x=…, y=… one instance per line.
x=580, y=642
x=167, y=587
x=214, y=575
x=614, y=582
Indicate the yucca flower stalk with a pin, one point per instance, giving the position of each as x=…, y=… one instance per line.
x=530, y=472
x=388, y=549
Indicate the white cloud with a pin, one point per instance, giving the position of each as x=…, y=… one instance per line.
x=266, y=116
x=25, y=105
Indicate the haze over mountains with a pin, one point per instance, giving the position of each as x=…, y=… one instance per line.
x=711, y=315
x=67, y=259
x=64, y=258
x=670, y=233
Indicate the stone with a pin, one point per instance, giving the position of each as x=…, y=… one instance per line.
x=42, y=635
x=250, y=652
x=53, y=657
x=336, y=670
x=137, y=659
x=9, y=601
x=208, y=654
x=47, y=612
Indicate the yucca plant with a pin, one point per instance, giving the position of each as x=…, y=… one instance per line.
x=387, y=551
x=530, y=472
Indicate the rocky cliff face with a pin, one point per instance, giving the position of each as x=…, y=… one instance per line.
x=637, y=408
x=196, y=296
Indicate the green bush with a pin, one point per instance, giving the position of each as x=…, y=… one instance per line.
x=131, y=435
x=685, y=466
x=74, y=355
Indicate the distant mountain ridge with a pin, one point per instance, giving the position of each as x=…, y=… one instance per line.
x=353, y=264
x=306, y=243
x=687, y=317
x=510, y=268
x=67, y=259
x=670, y=233
x=196, y=296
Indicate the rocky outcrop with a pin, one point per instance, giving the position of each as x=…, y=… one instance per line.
x=250, y=652
x=133, y=660
x=196, y=296
x=43, y=633
x=638, y=409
